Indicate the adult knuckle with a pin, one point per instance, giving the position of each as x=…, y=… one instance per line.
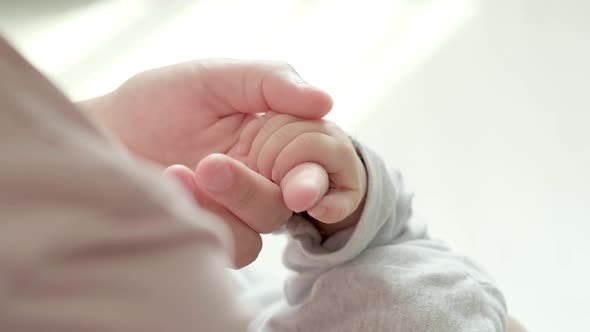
x=277, y=221
x=268, y=226
x=247, y=195
x=249, y=252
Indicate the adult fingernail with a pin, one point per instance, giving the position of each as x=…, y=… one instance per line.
x=221, y=178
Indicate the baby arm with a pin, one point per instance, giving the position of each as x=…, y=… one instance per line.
x=384, y=274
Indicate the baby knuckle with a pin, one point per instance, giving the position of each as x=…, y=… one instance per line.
x=304, y=142
x=268, y=127
x=331, y=127
x=345, y=150
x=261, y=164
x=272, y=124
x=338, y=213
x=283, y=133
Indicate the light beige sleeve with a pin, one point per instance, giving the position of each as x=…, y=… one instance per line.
x=90, y=239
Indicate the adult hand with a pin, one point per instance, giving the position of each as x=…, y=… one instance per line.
x=183, y=113
x=248, y=203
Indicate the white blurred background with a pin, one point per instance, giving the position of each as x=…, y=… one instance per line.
x=483, y=105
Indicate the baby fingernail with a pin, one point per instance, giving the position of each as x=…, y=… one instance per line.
x=317, y=212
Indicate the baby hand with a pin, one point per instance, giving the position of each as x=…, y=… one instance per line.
x=290, y=151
